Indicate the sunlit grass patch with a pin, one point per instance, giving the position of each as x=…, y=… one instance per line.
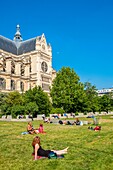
x=88, y=150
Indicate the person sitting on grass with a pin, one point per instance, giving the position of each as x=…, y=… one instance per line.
x=20, y=116
x=41, y=129
x=77, y=121
x=47, y=120
x=31, y=129
x=39, y=151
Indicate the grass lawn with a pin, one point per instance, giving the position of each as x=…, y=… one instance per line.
x=88, y=150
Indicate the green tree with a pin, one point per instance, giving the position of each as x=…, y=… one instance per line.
x=17, y=110
x=67, y=91
x=2, y=98
x=31, y=108
x=41, y=99
x=111, y=102
x=2, y=102
x=57, y=110
x=91, y=99
x=12, y=100
x=105, y=103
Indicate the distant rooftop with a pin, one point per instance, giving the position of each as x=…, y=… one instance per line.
x=105, y=91
x=17, y=46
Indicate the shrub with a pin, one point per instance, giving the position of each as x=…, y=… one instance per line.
x=17, y=110
x=57, y=110
x=76, y=113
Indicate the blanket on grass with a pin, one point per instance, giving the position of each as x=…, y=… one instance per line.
x=25, y=133
x=42, y=157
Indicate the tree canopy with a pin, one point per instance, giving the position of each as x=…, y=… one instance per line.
x=40, y=98
x=33, y=101
x=66, y=90
x=67, y=94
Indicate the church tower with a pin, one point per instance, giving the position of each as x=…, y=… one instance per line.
x=17, y=37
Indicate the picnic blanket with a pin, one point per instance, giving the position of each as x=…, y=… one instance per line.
x=25, y=133
x=42, y=157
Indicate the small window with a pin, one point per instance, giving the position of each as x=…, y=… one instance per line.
x=45, y=87
x=22, y=70
x=4, y=65
x=2, y=84
x=12, y=85
x=12, y=67
x=21, y=86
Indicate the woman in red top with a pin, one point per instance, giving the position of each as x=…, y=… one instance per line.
x=41, y=129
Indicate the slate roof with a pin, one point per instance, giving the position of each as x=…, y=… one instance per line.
x=8, y=45
x=26, y=46
x=17, y=48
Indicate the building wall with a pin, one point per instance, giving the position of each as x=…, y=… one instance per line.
x=22, y=72
x=104, y=91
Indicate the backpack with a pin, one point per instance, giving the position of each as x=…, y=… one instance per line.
x=52, y=155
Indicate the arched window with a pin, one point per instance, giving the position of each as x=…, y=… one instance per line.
x=2, y=84
x=4, y=65
x=12, y=85
x=22, y=70
x=12, y=67
x=44, y=66
x=30, y=65
x=21, y=86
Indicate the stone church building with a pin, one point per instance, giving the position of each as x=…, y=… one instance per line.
x=25, y=64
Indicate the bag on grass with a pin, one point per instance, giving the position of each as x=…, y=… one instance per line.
x=52, y=155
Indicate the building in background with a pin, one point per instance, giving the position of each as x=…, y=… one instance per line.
x=104, y=91
x=25, y=64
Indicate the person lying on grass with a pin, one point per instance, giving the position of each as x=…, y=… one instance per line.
x=39, y=151
x=97, y=128
x=65, y=122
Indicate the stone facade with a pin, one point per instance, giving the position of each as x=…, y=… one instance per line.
x=25, y=64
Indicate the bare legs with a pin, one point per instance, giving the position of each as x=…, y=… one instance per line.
x=36, y=131
x=60, y=152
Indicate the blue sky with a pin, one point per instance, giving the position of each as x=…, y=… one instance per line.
x=79, y=31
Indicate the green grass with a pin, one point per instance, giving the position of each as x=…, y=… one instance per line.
x=88, y=150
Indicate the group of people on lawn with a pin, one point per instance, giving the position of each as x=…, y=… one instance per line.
x=32, y=130
x=38, y=151
x=65, y=122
